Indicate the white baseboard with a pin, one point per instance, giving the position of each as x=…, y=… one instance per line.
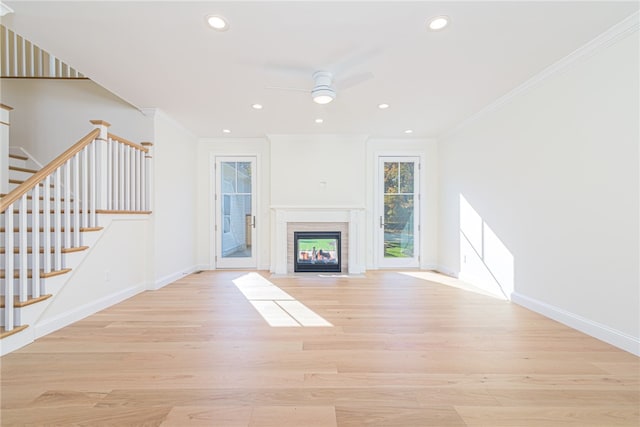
x=589, y=327
x=16, y=341
x=164, y=281
x=447, y=272
x=69, y=317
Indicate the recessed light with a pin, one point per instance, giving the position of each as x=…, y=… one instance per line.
x=257, y=106
x=319, y=120
x=217, y=22
x=408, y=131
x=226, y=131
x=383, y=106
x=437, y=23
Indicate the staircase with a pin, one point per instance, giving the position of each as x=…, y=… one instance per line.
x=50, y=218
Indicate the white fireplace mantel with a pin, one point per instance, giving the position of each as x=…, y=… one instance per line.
x=352, y=215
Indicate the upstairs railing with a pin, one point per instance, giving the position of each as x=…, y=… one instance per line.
x=21, y=58
x=101, y=173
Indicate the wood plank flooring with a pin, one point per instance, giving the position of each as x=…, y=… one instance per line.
x=401, y=351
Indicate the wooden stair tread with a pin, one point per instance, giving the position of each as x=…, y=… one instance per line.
x=16, y=250
x=19, y=304
x=4, y=333
x=29, y=197
x=30, y=229
x=21, y=169
x=18, y=157
x=43, y=275
x=30, y=211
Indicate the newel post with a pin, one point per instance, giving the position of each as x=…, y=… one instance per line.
x=148, y=176
x=4, y=148
x=100, y=176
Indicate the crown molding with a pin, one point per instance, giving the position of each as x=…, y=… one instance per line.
x=613, y=35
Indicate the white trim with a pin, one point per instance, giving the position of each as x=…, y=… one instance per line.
x=216, y=224
x=154, y=113
x=168, y=279
x=614, y=34
x=85, y=310
x=597, y=330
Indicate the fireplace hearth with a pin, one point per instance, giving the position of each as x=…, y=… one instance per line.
x=317, y=251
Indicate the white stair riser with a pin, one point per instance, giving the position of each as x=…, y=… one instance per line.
x=30, y=260
x=41, y=237
x=49, y=285
x=17, y=162
x=21, y=175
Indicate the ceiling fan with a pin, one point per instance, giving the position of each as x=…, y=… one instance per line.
x=326, y=80
x=325, y=87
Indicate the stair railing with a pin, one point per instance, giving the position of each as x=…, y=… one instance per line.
x=101, y=173
x=21, y=58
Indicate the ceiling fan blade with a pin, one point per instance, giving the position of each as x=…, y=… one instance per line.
x=354, y=59
x=354, y=80
x=288, y=88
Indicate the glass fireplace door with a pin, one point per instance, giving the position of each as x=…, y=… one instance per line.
x=235, y=227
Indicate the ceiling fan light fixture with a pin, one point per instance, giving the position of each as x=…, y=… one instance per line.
x=323, y=95
x=438, y=23
x=217, y=22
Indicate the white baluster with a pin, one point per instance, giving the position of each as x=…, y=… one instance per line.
x=110, y=174
x=67, y=204
x=76, y=200
x=139, y=157
x=57, y=220
x=127, y=177
x=143, y=182
x=8, y=268
x=85, y=188
x=93, y=194
x=35, y=241
x=121, y=182
x=23, y=256
x=46, y=224
x=116, y=175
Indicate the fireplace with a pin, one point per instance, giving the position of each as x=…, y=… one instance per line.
x=349, y=221
x=317, y=251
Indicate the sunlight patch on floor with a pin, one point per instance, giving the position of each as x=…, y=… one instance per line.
x=278, y=308
x=432, y=276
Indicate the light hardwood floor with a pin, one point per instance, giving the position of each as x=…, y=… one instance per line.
x=401, y=351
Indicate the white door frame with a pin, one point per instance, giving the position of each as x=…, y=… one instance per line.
x=217, y=260
x=380, y=260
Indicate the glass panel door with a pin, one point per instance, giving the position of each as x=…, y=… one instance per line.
x=235, y=212
x=398, y=212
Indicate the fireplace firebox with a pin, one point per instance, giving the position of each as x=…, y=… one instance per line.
x=317, y=251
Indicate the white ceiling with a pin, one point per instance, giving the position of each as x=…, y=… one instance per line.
x=161, y=54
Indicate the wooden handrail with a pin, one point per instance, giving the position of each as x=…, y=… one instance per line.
x=34, y=179
x=127, y=142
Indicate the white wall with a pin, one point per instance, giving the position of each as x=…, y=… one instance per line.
x=174, y=200
x=552, y=175
x=111, y=271
x=208, y=149
x=51, y=115
x=318, y=170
